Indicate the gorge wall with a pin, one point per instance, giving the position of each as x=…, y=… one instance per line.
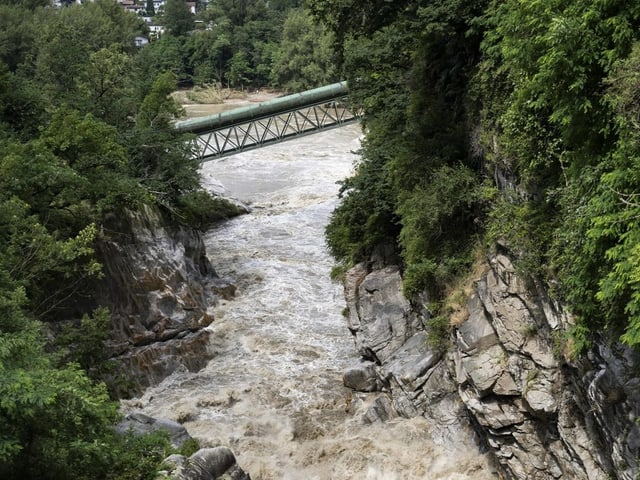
x=160, y=287
x=504, y=376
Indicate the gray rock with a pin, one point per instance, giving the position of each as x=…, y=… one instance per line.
x=361, y=377
x=384, y=319
x=381, y=410
x=206, y=464
x=485, y=368
x=539, y=420
x=139, y=423
x=540, y=416
x=389, y=330
x=476, y=333
x=158, y=285
x=410, y=364
x=540, y=396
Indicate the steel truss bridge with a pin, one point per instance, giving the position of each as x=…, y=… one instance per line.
x=282, y=118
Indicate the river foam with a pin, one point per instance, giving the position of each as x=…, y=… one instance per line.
x=273, y=390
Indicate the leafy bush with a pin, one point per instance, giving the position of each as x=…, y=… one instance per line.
x=200, y=209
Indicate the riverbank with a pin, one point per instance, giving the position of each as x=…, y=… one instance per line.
x=199, y=102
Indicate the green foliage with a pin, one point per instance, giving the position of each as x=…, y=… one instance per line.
x=239, y=69
x=361, y=221
x=84, y=343
x=49, y=268
x=80, y=141
x=177, y=18
x=208, y=53
x=304, y=57
x=158, y=109
x=418, y=187
x=338, y=272
x=527, y=229
x=438, y=331
x=106, y=85
x=138, y=457
x=159, y=57
x=66, y=38
x=189, y=447
x=436, y=218
x=17, y=35
x=50, y=419
x=572, y=145
x=201, y=209
x=541, y=98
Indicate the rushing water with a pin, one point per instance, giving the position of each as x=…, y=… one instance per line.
x=273, y=391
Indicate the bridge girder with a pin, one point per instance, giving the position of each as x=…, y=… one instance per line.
x=280, y=119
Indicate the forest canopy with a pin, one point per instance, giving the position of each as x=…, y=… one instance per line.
x=86, y=132
x=497, y=121
x=487, y=122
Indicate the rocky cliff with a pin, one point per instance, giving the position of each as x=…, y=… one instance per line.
x=160, y=287
x=504, y=376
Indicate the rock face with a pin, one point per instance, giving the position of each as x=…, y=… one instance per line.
x=139, y=423
x=541, y=416
x=159, y=286
x=412, y=378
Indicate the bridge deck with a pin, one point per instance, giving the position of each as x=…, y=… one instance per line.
x=276, y=120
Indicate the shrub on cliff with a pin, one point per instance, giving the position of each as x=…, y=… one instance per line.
x=202, y=209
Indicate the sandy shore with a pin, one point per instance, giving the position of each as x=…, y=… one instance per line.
x=237, y=99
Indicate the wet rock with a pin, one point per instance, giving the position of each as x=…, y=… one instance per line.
x=361, y=377
x=139, y=423
x=380, y=410
x=206, y=464
x=540, y=415
x=389, y=330
x=150, y=364
x=159, y=287
x=380, y=318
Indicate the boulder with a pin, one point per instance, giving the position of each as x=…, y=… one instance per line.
x=217, y=463
x=380, y=410
x=361, y=377
x=139, y=423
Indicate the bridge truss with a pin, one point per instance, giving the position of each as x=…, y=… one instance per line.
x=270, y=122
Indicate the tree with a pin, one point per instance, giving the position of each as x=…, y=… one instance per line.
x=239, y=69
x=178, y=20
x=68, y=36
x=105, y=83
x=209, y=51
x=304, y=58
x=163, y=160
x=163, y=55
x=63, y=169
x=17, y=35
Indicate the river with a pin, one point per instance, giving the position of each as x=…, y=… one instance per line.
x=273, y=390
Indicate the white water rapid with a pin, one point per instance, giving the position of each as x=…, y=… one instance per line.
x=273, y=391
